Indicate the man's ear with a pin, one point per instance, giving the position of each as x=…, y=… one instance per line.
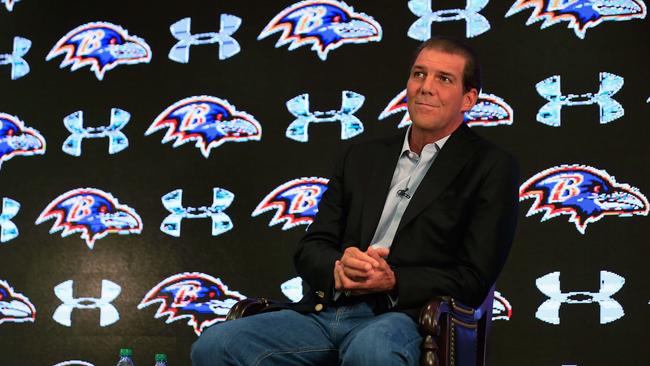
x=469, y=99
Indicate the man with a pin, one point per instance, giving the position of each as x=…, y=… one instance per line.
x=404, y=219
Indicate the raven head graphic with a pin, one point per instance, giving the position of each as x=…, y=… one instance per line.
x=325, y=24
x=581, y=14
x=584, y=193
x=396, y=105
x=17, y=139
x=296, y=202
x=101, y=45
x=93, y=213
x=206, y=120
x=489, y=110
x=501, y=308
x=15, y=307
x=198, y=297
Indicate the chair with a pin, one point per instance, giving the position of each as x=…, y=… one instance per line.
x=453, y=334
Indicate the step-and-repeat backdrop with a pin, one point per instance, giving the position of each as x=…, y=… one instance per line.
x=160, y=160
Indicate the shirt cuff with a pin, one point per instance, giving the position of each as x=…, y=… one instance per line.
x=393, y=297
x=337, y=294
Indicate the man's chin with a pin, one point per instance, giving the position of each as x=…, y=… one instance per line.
x=431, y=126
x=426, y=124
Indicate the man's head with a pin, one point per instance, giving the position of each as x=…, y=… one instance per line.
x=443, y=84
x=472, y=69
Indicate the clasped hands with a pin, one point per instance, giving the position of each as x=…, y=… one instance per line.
x=359, y=273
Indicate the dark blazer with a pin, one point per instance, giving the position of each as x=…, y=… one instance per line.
x=453, y=238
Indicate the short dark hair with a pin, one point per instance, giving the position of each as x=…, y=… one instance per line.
x=472, y=70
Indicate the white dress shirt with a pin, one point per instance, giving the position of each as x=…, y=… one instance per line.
x=407, y=176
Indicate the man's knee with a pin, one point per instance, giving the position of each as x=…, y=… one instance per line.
x=200, y=353
x=211, y=346
x=242, y=341
x=394, y=341
x=383, y=352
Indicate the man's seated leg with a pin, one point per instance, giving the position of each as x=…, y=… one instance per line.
x=282, y=337
x=387, y=339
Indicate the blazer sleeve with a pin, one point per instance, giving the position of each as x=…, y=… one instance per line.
x=483, y=246
x=321, y=247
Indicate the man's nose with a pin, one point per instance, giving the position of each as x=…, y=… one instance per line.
x=428, y=86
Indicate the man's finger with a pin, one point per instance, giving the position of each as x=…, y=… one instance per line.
x=356, y=253
x=348, y=283
x=356, y=274
x=337, y=280
x=373, y=254
x=357, y=264
x=345, y=282
x=381, y=260
x=380, y=251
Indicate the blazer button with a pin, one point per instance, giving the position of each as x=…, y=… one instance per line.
x=318, y=307
x=320, y=294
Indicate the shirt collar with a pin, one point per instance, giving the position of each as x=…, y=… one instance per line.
x=439, y=143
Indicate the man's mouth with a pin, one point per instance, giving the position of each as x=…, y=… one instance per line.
x=426, y=105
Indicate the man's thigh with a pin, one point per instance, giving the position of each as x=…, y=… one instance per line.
x=282, y=337
x=388, y=339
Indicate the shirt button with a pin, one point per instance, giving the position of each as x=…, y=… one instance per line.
x=318, y=307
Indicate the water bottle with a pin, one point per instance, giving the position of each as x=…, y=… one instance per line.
x=125, y=357
x=161, y=359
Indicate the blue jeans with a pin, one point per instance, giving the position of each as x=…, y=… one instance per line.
x=345, y=335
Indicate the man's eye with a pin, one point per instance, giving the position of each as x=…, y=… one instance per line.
x=444, y=79
x=418, y=74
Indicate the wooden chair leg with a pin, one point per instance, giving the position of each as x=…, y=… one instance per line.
x=429, y=355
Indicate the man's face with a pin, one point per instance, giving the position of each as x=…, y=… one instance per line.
x=434, y=91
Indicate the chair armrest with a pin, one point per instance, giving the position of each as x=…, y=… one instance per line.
x=446, y=325
x=249, y=306
x=430, y=325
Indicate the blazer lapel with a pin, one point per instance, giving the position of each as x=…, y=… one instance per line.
x=453, y=156
x=378, y=187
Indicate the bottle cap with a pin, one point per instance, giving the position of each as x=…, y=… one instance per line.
x=161, y=357
x=126, y=352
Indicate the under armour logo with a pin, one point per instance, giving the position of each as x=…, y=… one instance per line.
x=173, y=202
x=475, y=23
x=8, y=229
x=9, y=4
x=351, y=126
x=292, y=289
x=117, y=140
x=228, y=46
x=610, y=309
x=550, y=90
x=19, y=67
x=74, y=363
x=108, y=314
